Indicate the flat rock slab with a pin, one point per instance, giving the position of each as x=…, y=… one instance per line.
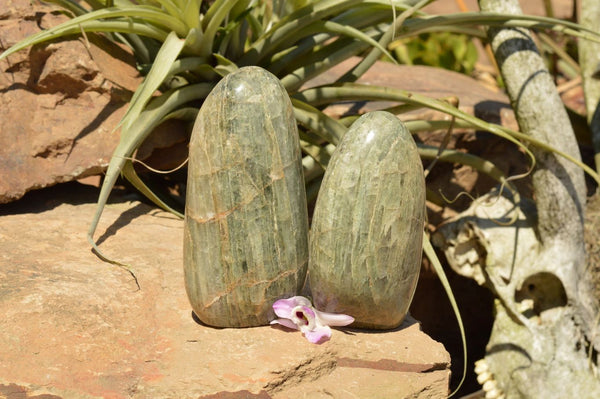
x=76, y=327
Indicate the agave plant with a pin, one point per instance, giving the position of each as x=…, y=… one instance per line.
x=185, y=47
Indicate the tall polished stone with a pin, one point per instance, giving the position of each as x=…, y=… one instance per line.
x=246, y=224
x=367, y=228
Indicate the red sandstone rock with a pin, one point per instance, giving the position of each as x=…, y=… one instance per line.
x=59, y=103
x=76, y=327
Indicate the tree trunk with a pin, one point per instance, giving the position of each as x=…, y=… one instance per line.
x=536, y=266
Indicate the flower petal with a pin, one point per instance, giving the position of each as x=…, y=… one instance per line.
x=318, y=335
x=284, y=307
x=298, y=313
x=308, y=312
x=334, y=319
x=286, y=323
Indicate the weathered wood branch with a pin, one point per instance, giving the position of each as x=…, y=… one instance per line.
x=559, y=184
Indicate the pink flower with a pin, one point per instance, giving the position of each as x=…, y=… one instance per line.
x=299, y=314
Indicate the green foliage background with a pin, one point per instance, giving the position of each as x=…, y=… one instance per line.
x=447, y=50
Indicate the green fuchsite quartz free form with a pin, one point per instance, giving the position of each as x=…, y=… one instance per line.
x=367, y=227
x=246, y=224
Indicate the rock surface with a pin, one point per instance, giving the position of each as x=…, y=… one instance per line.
x=76, y=327
x=59, y=102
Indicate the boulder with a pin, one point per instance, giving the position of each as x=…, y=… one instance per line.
x=59, y=102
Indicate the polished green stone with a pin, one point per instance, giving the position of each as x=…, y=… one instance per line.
x=246, y=225
x=367, y=228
